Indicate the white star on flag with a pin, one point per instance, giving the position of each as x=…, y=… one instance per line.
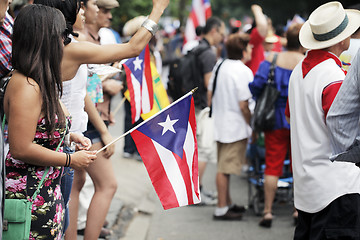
x=168, y=125
x=137, y=63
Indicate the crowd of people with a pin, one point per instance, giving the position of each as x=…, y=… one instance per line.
x=55, y=97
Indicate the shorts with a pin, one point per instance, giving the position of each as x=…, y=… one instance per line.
x=339, y=220
x=205, y=136
x=231, y=157
x=277, y=146
x=92, y=133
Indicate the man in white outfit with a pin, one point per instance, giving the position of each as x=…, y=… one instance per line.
x=326, y=194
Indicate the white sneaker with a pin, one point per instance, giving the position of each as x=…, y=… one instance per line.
x=207, y=200
x=210, y=193
x=127, y=155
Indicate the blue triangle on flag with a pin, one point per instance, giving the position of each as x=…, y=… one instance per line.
x=178, y=114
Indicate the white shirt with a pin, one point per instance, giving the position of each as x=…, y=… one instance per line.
x=231, y=88
x=317, y=180
x=74, y=92
x=106, y=36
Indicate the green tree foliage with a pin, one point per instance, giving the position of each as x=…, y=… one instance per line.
x=278, y=10
x=128, y=10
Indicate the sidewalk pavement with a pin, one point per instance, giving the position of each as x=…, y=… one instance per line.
x=130, y=210
x=133, y=204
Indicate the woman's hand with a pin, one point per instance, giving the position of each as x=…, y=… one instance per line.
x=82, y=159
x=82, y=142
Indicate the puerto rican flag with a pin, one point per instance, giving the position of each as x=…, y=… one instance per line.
x=168, y=147
x=200, y=12
x=139, y=82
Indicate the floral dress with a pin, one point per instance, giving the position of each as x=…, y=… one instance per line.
x=22, y=180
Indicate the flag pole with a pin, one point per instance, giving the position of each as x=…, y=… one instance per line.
x=119, y=106
x=134, y=128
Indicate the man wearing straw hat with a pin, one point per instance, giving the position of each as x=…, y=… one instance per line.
x=326, y=194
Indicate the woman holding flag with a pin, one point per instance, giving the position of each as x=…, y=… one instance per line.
x=75, y=54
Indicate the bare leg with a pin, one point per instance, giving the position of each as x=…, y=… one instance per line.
x=270, y=187
x=78, y=183
x=102, y=175
x=222, y=185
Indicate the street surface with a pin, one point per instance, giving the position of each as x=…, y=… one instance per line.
x=136, y=212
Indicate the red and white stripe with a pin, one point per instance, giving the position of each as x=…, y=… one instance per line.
x=200, y=12
x=175, y=180
x=141, y=95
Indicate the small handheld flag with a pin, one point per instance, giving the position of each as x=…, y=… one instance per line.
x=168, y=147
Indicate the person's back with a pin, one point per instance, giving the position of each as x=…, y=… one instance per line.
x=229, y=89
x=326, y=194
x=277, y=139
x=230, y=93
x=312, y=155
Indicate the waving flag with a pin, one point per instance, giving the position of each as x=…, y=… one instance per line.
x=139, y=82
x=168, y=147
x=161, y=99
x=200, y=12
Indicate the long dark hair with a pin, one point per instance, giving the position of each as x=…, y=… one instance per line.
x=69, y=9
x=37, y=51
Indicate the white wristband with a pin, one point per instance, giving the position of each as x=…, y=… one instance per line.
x=151, y=26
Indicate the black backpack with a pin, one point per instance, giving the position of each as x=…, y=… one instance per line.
x=185, y=73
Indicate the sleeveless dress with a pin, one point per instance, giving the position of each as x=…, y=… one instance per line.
x=22, y=180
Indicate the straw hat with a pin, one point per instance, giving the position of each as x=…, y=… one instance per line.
x=328, y=25
x=271, y=37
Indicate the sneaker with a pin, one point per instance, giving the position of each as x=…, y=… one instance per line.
x=209, y=193
x=127, y=155
x=137, y=157
x=207, y=201
x=105, y=233
x=229, y=216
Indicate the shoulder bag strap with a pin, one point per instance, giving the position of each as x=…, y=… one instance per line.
x=272, y=69
x=48, y=168
x=214, y=84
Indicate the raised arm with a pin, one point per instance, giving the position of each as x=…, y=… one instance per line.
x=260, y=20
x=88, y=53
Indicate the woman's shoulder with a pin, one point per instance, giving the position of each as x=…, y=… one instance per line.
x=23, y=91
x=20, y=81
x=288, y=60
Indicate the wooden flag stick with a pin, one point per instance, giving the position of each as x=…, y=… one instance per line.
x=119, y=106
x=134, y=128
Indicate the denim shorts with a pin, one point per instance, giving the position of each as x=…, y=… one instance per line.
x=66, y=185
x=92, y=133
